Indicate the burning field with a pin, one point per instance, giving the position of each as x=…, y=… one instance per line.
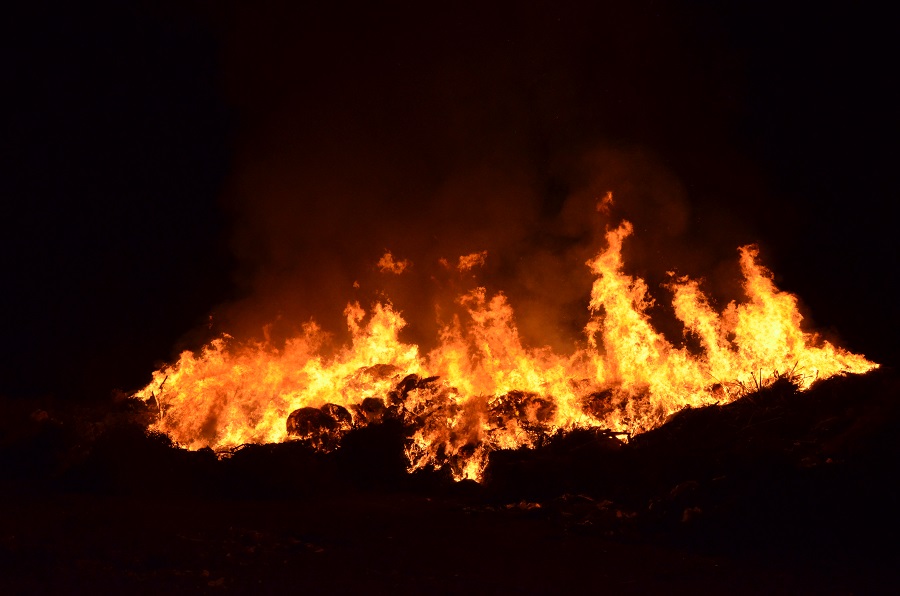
x=750, y=458
x=481, y=389
x=782, y=489
x=538, y=297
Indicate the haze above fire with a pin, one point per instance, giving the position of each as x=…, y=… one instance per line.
x=437, y=134
x=333, y=133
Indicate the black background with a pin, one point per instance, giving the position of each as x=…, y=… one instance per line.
x=133, y=139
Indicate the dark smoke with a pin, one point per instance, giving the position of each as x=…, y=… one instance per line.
x=434, y=135
x=166, y=160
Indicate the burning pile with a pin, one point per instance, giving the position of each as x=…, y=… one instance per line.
x=482, y=389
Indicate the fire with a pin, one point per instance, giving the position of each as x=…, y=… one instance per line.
x=482, y=388
x=387, y=264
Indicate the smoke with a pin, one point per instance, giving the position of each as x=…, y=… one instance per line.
x=439, y=135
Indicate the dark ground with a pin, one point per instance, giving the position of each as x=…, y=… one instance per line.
x=780, y=492
x=369, y=542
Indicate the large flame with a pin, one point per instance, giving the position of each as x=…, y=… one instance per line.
x=482, y=389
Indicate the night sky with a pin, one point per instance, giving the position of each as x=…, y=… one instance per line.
x=165, y=163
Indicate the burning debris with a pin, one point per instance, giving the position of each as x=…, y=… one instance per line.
x=320, y=427
x=481, y=389
x=779, y=472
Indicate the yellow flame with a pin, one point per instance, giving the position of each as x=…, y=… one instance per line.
x=482, y=388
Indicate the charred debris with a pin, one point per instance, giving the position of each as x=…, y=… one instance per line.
x=776, y=468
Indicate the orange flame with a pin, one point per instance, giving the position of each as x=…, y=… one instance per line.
x=387, y=264
x=482, y=389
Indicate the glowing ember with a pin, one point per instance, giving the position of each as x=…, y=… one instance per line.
x=481, y=389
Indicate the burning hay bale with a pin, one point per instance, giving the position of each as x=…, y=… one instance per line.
x=521, y=411
x=370, y=411
x=340, y=415
x=414, y=399
x=320, y=428
x=398, y=396
x=310, y=424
